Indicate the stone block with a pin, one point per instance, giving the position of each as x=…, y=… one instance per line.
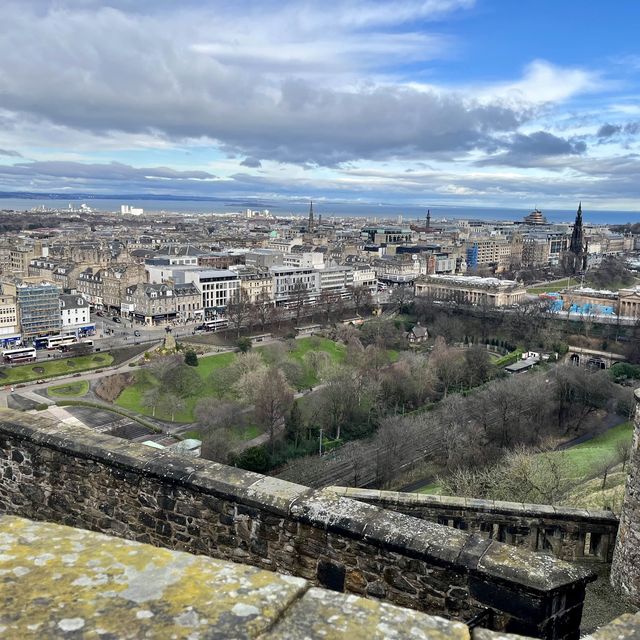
x=323, y=614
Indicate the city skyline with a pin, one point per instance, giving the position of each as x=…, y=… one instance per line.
x=462, y=102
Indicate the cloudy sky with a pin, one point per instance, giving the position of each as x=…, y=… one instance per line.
x=466, y=102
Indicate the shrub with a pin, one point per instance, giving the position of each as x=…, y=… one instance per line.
x=191, y=358
x=253, y=459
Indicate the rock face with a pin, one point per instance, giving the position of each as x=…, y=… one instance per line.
x=625, y=570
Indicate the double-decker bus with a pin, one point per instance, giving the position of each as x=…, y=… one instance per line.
x=15, y=356
x=215, y=325
x=59, y=342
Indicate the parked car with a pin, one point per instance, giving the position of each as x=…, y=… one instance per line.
x=136, y=333
x=116, y=319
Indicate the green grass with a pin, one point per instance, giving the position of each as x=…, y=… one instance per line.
x=51, y=368
x=74, y=389
x=552, y=287
x=581, y=461
x=508, y=359
x=248, y=433
x=335, y=350
x=131, y=398
x=434, y=489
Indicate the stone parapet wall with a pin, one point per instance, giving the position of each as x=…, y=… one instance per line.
x=569, y=534
x=97, y=585
x=625, y=570
x=73, y=476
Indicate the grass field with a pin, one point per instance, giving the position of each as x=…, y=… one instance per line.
x=74, y=389
x=248, y=433
x=132, y=397
x=335, y=351
x=581, y=461
x=554, y=286
x=50, y=368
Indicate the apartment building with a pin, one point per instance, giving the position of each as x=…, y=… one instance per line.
x=288, y=280
x=338, y=280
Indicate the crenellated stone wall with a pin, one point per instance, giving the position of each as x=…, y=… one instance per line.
x=73, y=476
x=625, y=570
x=567, y=533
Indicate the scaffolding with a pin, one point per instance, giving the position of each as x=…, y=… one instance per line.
x=39, y=309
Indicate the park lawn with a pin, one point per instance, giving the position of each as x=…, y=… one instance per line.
x=553, y=287
x=581, y=461
x=75, y=389
x=132, y=397
x=51, y=368
x=336, y=351
x=250, y=432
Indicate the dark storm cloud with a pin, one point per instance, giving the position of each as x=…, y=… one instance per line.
x=252, y=163
x=607, y=130
x=146, y=79
x=114, y=176
x=537, y=149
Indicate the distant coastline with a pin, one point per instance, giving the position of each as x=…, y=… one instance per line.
x=209, y=204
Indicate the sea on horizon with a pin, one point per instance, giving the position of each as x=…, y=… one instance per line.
x=326, y=209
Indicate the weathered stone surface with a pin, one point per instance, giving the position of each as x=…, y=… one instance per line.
x=59, y=582
x=322, y=614
x=560, y=530
x=537, y=572
x=625, y=570
x=626, y=627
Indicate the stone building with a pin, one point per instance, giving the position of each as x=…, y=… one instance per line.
x=90, y=284
x=150, y=303
x=472, y=290
x=629, y=302
x=188, y=301
x=115, y=281
x=625, y=570
x=257, y=284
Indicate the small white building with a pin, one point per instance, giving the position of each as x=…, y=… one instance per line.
x=75, y=315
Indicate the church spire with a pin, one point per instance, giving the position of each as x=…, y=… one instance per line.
x=310, y=225
x=577, y=245
x=428, y=219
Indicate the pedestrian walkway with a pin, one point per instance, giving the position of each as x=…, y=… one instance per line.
x=60, y=414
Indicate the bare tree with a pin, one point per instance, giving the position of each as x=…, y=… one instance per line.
x=152, y=398
x=401, y=297
x=361, y=297
x=299, y=298
x=239, y=310
x=263, y=309
x=170, y=404
x=623, y=451
x=273, y=401
x=447, y=364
